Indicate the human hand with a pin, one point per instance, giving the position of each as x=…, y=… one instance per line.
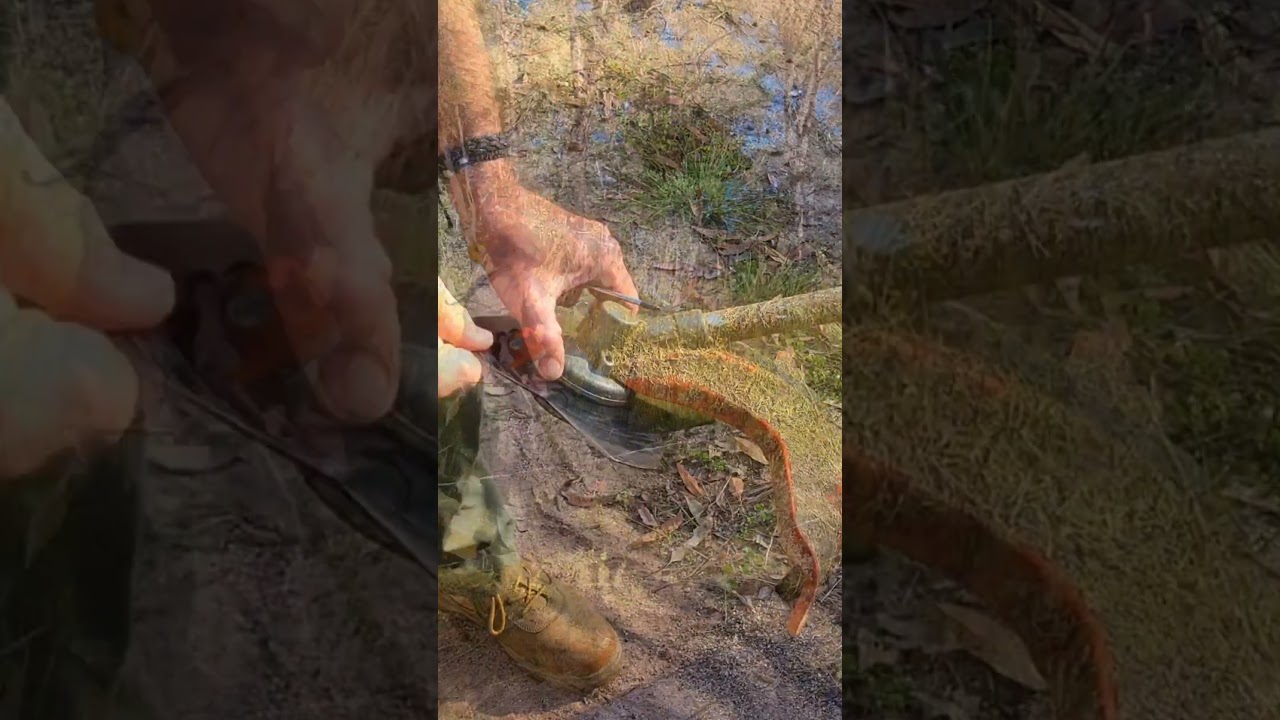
x=63, y=384
x=293, y=154
x=458, y=337
x=536, y=254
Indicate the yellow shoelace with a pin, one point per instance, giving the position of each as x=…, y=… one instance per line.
x=498, y=609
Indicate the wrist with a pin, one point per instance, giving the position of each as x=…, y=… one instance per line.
x=483, y=187
x=479, y=194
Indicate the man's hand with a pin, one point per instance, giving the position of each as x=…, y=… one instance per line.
x=63, y=384
x=459, y=337
x=293, y=154
x=288, y=107
x=536, y=253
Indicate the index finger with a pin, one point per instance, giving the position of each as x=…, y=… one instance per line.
x=333, y=283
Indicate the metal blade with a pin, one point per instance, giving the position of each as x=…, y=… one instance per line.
x=627, y=299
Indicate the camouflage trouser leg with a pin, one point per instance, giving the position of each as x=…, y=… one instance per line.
x=477, y=534
x=67, y=543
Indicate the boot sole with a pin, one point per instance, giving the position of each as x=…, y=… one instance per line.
x=573, y=682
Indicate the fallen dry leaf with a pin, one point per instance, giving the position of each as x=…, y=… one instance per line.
x=699, y=534
x=731, y=249
x=776, y=256
x=737, y=486
x=1068, y=29
x=711, y=233
x=908, y=634
x=666, y=528
x=646, y=517
x=752, y=450
x=677, y=553
x=690, y=482
x=991, y=642
x=695, y=507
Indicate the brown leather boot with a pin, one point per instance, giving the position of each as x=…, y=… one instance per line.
x=547, y=627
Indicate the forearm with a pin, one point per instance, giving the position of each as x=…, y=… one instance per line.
x=468, y=104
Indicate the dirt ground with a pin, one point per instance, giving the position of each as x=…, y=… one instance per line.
x=694, y=648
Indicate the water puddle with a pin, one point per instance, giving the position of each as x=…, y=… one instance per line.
x=765, y=127
x=604, y=137
x=669, y=38
x=767, y=131
x=827, y=111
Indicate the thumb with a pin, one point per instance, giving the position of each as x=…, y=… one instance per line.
x=55, y=252
x=62, y=387
x=458, y=369
x=454, y=324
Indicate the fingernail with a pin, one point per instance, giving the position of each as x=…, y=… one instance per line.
x=357, y=385
x=119, y=291
x=477, y=336
x=549, y=368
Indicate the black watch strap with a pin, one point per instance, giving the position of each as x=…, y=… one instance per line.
x=474, y=150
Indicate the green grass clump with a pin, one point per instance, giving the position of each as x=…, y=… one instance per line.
x=875, y=691
x=822, y=371
x=1000, y=112
x=695, y=169
x=754, y=280
x=1222, y=405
